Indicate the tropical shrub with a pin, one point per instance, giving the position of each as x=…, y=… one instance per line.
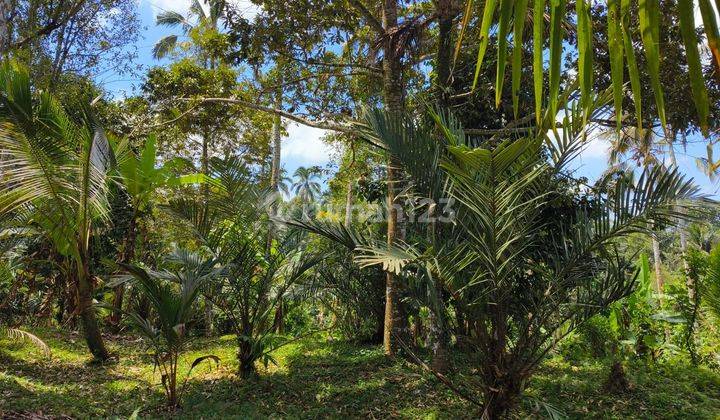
x=172, y=295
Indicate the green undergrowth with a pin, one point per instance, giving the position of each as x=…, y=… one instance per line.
x=320, y=378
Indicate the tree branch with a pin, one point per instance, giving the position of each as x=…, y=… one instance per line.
x=325, y=125
x=372, y=20
x=312, y=62
x=51, y=26
x=315, y=76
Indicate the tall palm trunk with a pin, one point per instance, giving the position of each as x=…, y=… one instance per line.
x=278, y=324
x=205, y=169
x=85, y=308
x=437, y=331
x=395, y=325
x=446, y=14
x=657, y=263
x=276, y=147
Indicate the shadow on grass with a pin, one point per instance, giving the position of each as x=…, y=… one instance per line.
x=58, y=387
x=327, y=380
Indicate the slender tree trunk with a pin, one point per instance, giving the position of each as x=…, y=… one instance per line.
x=348, y=203
x=279, y=319
x=205, y=169
x=657, y=263
x=393, y=90
x=689, y=281
x=446, y=12
x=126, y=257
x=5, y=30
x=276, y=144
x=276, y=137
x=438, y=335
x=88, y=317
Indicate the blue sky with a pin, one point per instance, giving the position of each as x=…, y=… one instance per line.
x=303, y=145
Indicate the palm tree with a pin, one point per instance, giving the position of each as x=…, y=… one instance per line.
x=306, y=187
x=173, y=295
x=141, y=180
x=258, y=272
x=522, y=279
x=58, y=170
x=284, y=182
x=197, y=19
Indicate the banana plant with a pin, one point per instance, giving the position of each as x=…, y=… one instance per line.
x=58, y=170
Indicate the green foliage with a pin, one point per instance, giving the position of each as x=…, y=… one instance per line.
x=319, y=378
x=712, y=287
x=58, y=171
x=523, y=278
x=172, y=296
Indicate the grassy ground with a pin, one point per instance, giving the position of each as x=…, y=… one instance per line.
x=316, y=378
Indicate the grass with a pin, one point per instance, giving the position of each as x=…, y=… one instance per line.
x=319, y=378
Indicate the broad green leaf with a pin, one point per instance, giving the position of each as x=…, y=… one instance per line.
x=697, y=82
x=149, y=153
x=556, y=36
x=506, y=9
x=484, y=38
x=632, y=62
x=615, y=47
x=650, y=32
x=711, y=28
x=518, y=28
x=585, y=53
x=538, y=40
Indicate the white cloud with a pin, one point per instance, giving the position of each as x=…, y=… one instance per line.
x=597, y=148
x=304, y=147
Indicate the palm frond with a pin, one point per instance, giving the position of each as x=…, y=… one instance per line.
x=170, y=18
x=18, y=334
x=164, y=46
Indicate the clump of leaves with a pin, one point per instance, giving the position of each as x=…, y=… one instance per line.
x=172, y=296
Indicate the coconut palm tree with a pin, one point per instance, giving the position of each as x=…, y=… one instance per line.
x=306, y=187
x=196, y=19
x=57, y=169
